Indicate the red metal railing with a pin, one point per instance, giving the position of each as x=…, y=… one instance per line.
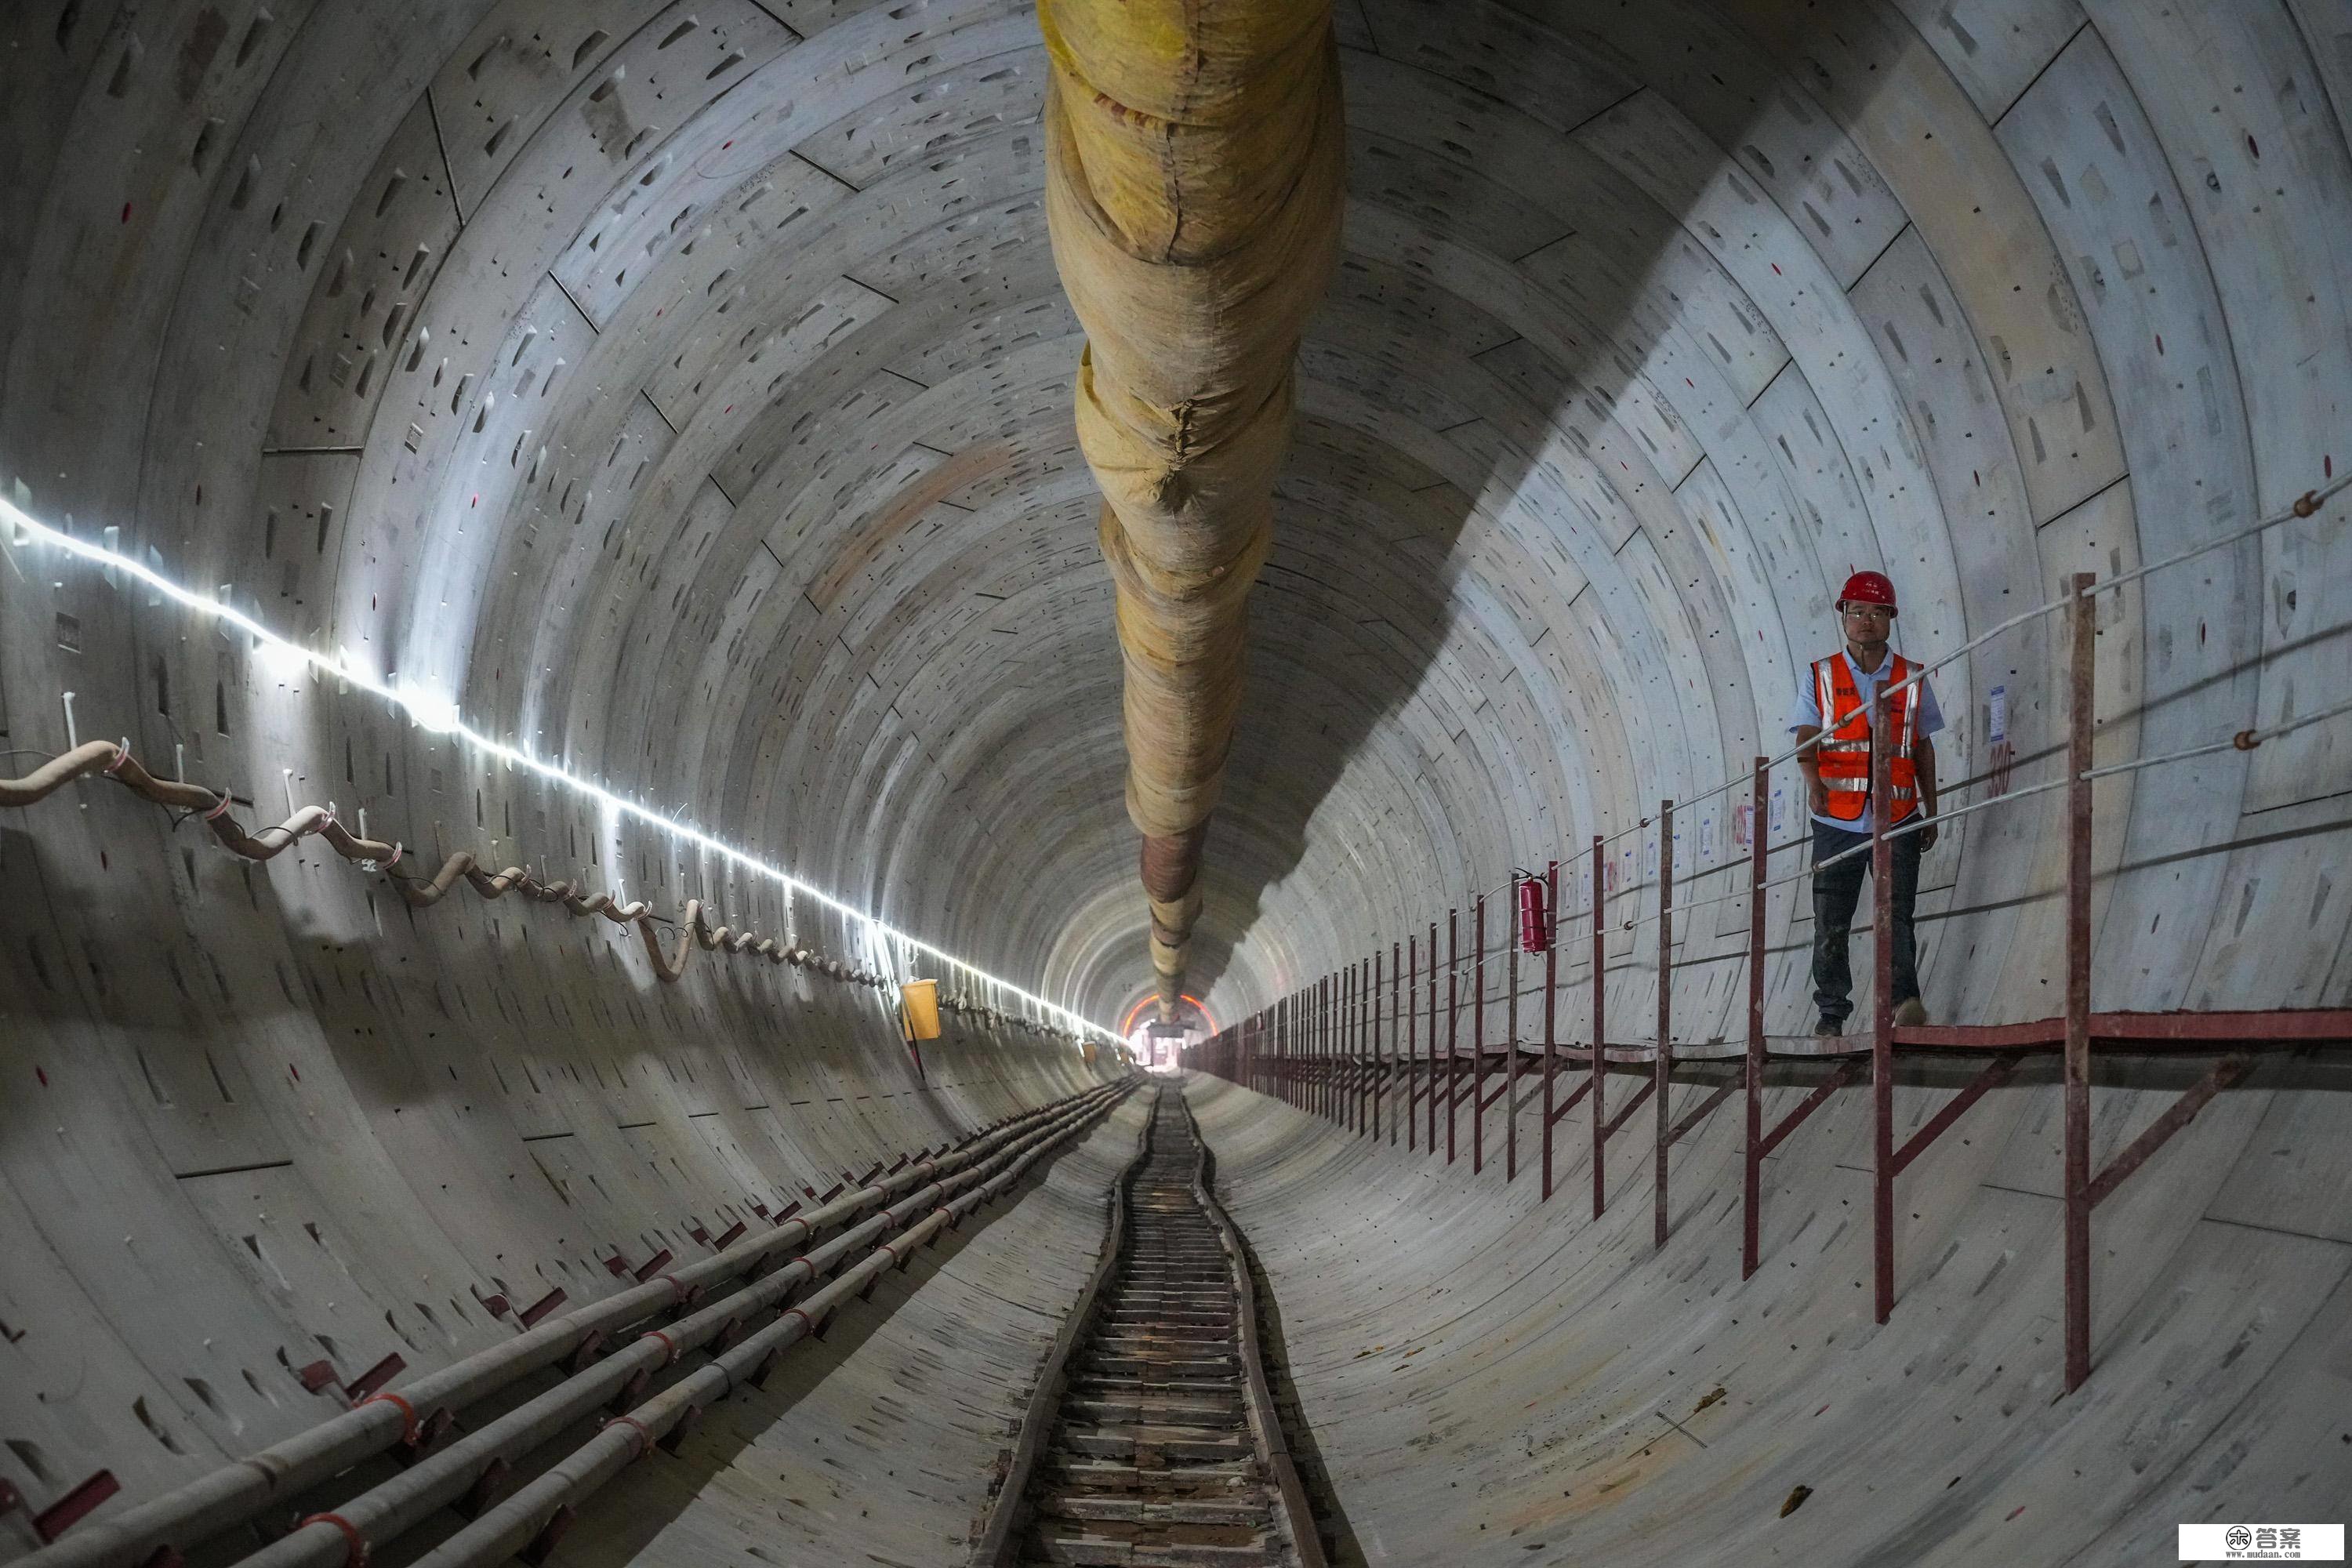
x=1314, y=1051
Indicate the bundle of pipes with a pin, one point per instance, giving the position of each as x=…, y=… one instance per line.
x=112, y=759
x=721, y=1299
x=1194, y=156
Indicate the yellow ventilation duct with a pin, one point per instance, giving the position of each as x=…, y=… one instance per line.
x=1195, y=159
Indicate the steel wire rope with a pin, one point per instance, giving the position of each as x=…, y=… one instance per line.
x=2305, y=506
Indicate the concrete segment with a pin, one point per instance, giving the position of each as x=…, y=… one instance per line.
x=682, y=390
x=1491, y=1378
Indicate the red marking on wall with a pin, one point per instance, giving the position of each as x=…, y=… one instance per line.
x=126, y=212
x=43, y=1074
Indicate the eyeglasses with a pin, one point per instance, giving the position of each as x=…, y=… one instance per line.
x=1871, y=612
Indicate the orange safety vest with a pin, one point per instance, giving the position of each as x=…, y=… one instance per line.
x=1845, y=747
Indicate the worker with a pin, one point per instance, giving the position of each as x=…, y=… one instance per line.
x=1836, y=697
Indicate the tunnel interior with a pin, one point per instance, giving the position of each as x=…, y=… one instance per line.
x=646, y=433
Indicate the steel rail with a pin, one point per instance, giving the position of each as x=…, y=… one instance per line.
x=192, y=1514
x=1257, y=1400
x=998, y=1542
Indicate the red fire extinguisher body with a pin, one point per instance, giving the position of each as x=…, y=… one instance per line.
x=1534, y=929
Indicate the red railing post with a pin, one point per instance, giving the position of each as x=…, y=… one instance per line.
x=1356, y=1047
x=1882, y=1014
x=1599, y=1032
x=1354, y=1082
x=1359, y=1021
x=1350, y=1029
x=1318, y=1044
x=2084, y=624
x=1379, y=1064
x=1327, y=1102
x=1290, y=1048
x=1431, y=1143
x=1411, y=1036
x=1478, y=1036
x=1665, y=1059
x=1452, y=1023
x=1511, y=1040
x=1757, y=820
x=1551, y=1011
x=1395, y=1054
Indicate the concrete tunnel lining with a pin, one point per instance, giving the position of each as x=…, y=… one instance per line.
x=692, y=404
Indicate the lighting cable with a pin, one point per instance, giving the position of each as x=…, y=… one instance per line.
x=439, y=714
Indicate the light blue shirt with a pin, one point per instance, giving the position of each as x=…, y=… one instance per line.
x=1807, y=715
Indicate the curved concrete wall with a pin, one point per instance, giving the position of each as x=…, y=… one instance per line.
x=683, y=390
x=1491, y=1378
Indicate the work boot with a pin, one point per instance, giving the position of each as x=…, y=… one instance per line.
x=1828, y=1029
x=1910, y=1013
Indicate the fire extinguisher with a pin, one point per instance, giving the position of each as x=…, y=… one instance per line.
x=1535, y=926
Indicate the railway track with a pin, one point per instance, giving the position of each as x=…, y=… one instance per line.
x=1151, y=1441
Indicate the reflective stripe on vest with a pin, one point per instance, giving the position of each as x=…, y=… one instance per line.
x=1844, y=749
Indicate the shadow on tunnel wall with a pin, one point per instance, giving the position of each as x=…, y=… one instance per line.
x=1424, y=415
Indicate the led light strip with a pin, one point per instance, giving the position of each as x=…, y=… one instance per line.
x=433, y=711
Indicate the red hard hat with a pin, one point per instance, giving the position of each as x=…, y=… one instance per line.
x=1867, y=588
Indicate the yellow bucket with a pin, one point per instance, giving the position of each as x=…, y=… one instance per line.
x=919, y=1000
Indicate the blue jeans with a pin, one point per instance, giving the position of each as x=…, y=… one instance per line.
x=1836, y=892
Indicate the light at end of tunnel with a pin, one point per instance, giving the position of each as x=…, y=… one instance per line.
x=433, y=709
x=1127, y=1024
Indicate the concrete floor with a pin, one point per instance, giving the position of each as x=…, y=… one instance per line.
x=1493, y=1380
x=881, y=1446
